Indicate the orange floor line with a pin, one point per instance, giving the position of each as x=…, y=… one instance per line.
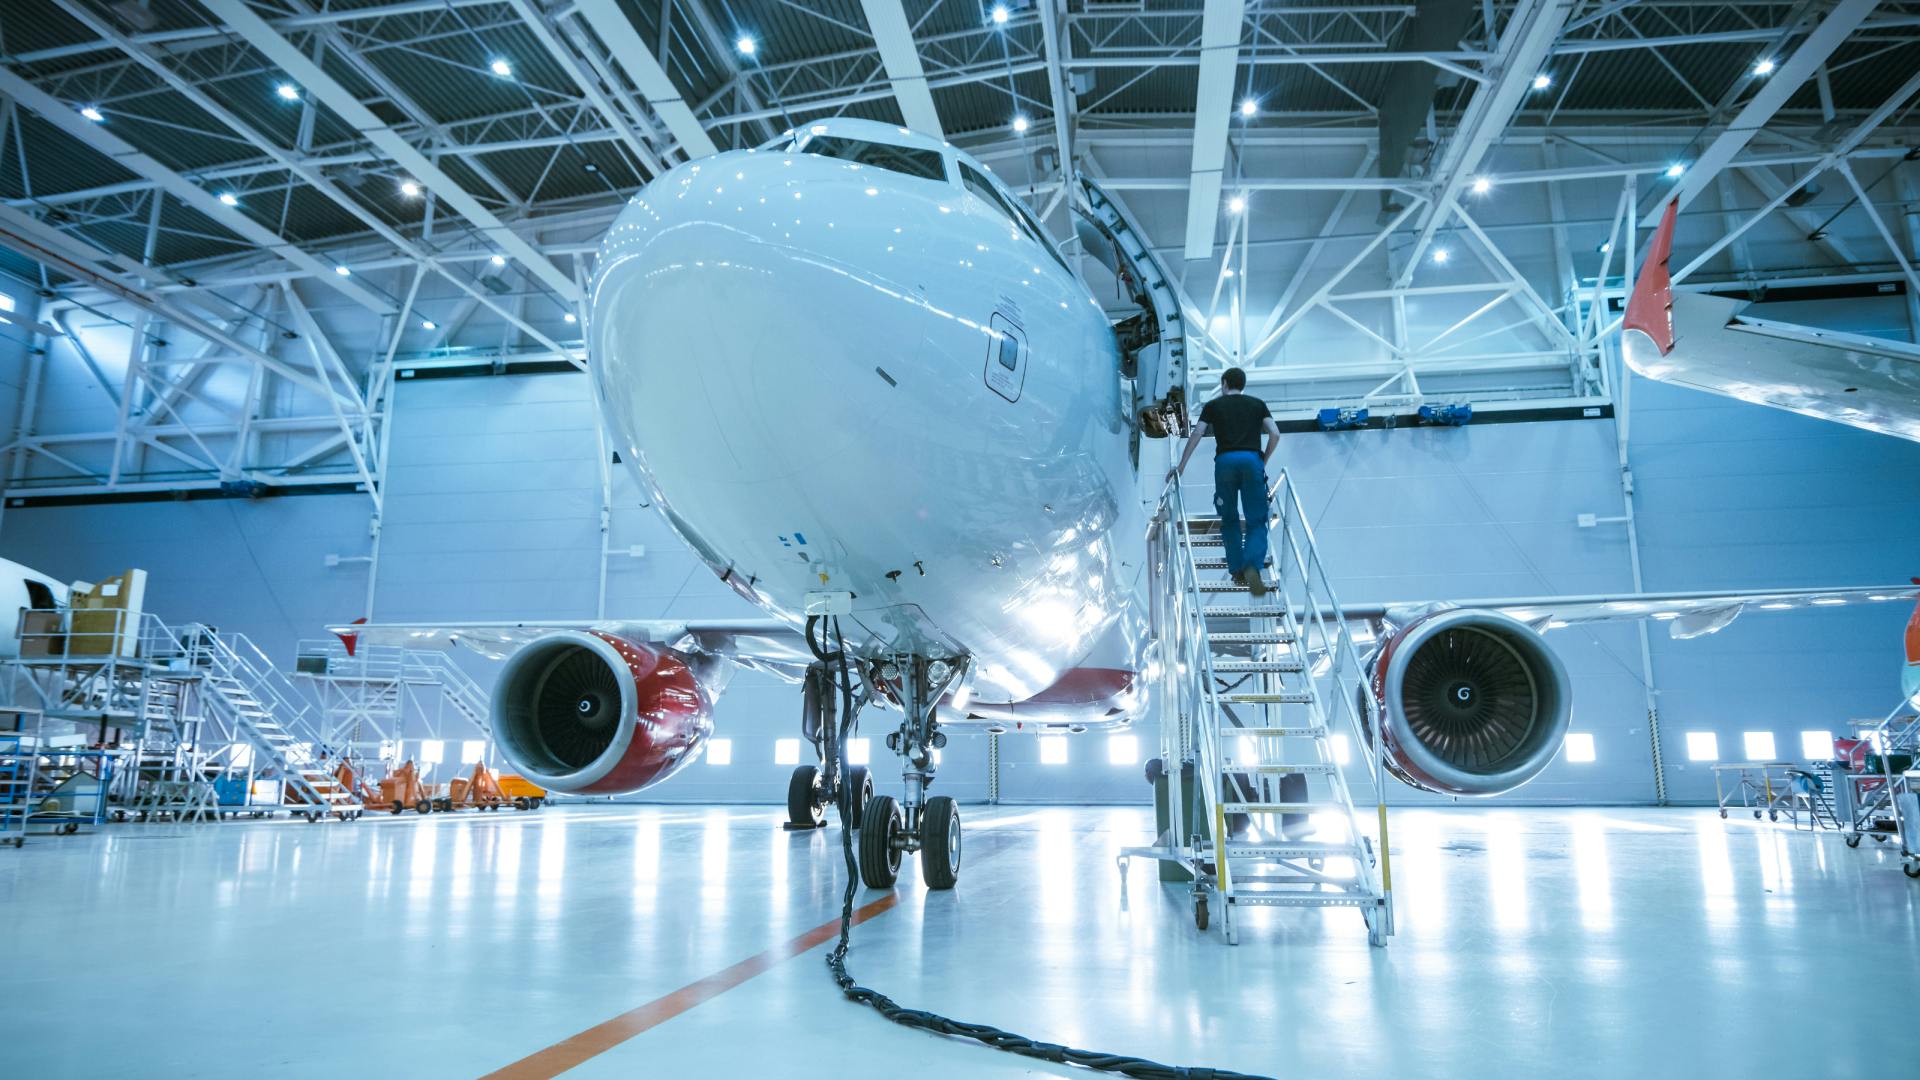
x=602, y=1037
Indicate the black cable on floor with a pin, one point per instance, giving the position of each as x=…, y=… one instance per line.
x=984, y=1034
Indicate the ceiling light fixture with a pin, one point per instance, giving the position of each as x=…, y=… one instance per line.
x=1249, y=107
x=410, y=189
x=1441, y=255
x=1542, y=81
x=1675, y=170
x=287, y=92
x=498, y=260
x=1764, y=67
x=1482, y=185
x=501, y=68
x=1237, y=204
x=746, y=45
x=1000, y=15
x=92, y=112
x=1020, y=123
x=228, y=198
x=429, y=324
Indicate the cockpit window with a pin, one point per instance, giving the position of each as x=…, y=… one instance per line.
x=911, y=160
x=1015, y=214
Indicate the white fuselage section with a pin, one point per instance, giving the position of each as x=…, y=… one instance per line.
x=836, y=377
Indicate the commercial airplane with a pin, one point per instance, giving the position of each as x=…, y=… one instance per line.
x=860, y=383
x=1707, y=343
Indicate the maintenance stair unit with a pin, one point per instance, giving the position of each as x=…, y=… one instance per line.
x=190, y=706
x=375, y=697
x=1262, y=699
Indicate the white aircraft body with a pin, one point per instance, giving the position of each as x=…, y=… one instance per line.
x=1710, y=343
x=860, y=383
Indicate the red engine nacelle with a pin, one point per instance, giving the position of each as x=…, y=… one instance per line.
x=1475, y=702
x=584, y=712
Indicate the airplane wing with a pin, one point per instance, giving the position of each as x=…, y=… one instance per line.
x=1687, y=614
x=762, y=644
x=1704, y=342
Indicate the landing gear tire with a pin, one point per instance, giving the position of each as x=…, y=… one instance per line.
x=860, y=784
x=395, y=809
x=423, y=807
x=940, y=843
x=879, y=858
x=805, y=809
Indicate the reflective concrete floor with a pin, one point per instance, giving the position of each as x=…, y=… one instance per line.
x=1582, y=943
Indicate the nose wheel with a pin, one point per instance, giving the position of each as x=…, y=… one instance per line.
x=808, y=796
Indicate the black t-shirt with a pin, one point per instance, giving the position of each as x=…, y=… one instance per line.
x=1234, y=420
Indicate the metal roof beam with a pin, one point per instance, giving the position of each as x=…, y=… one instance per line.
x=1530, y=33
x=536, y=20
x=231, y=218
x=75, y=258
x=655, y=87
x=894, y=38
x=1220, y=26
x=342, y=101
x=1786, y=80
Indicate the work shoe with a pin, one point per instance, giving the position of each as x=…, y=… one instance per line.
x=1255, y=583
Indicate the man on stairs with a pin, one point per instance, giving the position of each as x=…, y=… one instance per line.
x=1236, y=420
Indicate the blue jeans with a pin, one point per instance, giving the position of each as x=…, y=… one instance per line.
x=1240, y=487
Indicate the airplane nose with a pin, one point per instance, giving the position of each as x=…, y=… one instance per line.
x=705, y=317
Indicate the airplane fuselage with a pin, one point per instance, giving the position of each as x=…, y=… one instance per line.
x=950, y=445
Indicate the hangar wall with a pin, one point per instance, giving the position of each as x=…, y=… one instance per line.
x=493, y=512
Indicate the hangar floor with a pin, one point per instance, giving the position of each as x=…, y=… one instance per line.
x=1531, y=942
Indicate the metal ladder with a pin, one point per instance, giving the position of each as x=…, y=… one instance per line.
x=254, y=701
x=1256, y=693
x=378, y=688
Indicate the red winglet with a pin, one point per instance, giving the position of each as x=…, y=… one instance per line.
x=351, y=641
x=1650, y=308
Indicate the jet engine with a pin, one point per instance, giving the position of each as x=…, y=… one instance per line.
x=586, y=712
x=1474, y=702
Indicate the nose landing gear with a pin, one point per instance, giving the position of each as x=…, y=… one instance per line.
x=929, y=826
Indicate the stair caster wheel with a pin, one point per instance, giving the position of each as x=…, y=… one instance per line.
x=1773, y=815
x=940, y=843
x=805, y=808
x=879, y=854
x=1723, y=815
x=1853, y=839
x=1200, y=918
x=1911, y=868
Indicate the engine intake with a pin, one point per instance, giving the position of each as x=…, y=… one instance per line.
x=1475, y=703
x=585, y=712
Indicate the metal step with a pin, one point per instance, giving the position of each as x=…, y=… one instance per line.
x=1221, y=564
x=1224, y=638
x=1238, y=667
x=1296, y=697
x=1304, y=849
x=1305, y=768
x=1277, y=732
x=1244, y=611
x=1256, y=898
x=1281, y=807
x=1225, y=587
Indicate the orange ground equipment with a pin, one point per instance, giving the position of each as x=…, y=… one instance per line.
x=523, y=793
x=481, y=791
x=403, y=790
x=355, y=786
